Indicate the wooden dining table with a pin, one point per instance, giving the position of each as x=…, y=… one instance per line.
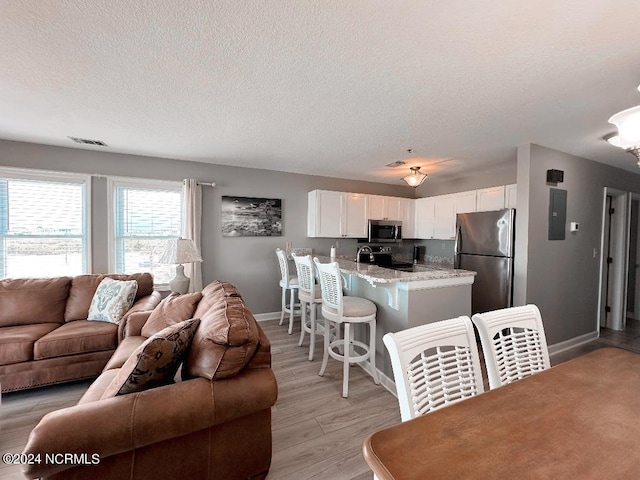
x=579, y=419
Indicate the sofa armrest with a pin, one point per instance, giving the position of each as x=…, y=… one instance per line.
x=132, y=325
x=127, y=422
x=144, y=304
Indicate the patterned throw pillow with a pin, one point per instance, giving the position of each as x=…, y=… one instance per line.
x=113, y=298
x=155, y=362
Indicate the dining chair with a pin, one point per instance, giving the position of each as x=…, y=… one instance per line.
x=288, y=283
x=513, y=343
x=434, y=365
x=346, y=311
x=310, y=295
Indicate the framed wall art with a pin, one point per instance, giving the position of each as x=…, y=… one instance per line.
x=251, y=217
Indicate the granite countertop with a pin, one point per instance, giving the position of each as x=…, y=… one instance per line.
x=375, y=274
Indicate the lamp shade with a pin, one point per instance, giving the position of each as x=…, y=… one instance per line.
x=628, y=124
x=180, y=250
x=415, y=178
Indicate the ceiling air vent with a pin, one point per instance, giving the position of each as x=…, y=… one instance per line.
x=86, y=141
x=399, y=163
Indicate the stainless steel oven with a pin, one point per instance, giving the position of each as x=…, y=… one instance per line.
x=385, y=231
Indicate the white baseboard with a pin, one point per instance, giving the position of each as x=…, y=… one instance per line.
x=263, y=317
x=572, y=343
x=385, y=381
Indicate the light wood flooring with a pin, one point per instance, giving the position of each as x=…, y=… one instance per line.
x=317, y=434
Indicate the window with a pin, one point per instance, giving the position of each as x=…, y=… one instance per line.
x=145, y=214
x=43, y=224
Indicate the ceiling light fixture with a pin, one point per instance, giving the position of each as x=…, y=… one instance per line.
x=415, y=178
x=628, y=124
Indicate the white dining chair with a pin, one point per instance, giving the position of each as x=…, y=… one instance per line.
x=513, y=343
x=345, y=311
x=288, y=283
x=310, y=296
x=434, y=365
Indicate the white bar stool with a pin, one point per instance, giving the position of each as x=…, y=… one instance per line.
x=290, y=283
x=345, y=310
x=309, y=295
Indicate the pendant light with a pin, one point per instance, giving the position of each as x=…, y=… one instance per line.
x=628, y=124
x=415, y=178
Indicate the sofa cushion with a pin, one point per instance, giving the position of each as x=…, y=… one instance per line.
x=81, y=336
x=16, y=343
x=226, y=339
x=174, y=309
x=83, y=287
x=33, y=300
x=155, y=362
x=112, y=300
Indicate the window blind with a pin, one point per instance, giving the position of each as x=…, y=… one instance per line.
x=145, y=218
x=43, y=231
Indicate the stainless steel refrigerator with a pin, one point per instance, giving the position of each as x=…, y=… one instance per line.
x=484, y=244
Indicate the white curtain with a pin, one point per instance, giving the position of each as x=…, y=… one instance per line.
x=192, y=214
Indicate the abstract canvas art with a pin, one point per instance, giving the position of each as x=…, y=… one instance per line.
x=251, y=217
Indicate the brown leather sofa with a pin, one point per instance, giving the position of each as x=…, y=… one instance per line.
x=45, y=337
x=214, y=422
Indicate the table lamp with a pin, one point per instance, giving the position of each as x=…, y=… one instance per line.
x=176, y=252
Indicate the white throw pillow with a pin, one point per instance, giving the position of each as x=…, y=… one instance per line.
x=113, y=298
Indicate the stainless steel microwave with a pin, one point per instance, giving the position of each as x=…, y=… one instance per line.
x=385, y=231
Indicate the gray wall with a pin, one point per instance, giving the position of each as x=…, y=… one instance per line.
x=493, y=176
x=561, y=276
x=248, y=262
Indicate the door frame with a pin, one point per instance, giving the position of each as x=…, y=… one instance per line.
x=620, y=253
x=636, y=293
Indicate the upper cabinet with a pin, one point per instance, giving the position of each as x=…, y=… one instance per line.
x=342, y=214
x=466, y=202
x=444, y=216
x=337, y=214
x=425, y=218
x=491, y=198
x=384, y=208
x=510, y=196
x=406, y=215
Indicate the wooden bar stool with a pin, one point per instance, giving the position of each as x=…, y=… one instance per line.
x=310, y=295
x=290, y=283
x=345, y=310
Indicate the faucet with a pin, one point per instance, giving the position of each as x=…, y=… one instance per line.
x=363, y=249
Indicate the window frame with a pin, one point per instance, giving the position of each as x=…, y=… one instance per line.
x=141, y=183
x=61, y=177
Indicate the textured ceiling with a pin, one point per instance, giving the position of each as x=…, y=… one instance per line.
x=336, y=88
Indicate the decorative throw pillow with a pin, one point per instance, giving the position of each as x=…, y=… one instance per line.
x=155, y=362
x=173, y=309
x=113, y=298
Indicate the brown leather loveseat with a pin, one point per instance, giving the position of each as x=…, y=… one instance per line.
x=213, y=422
x=45, y=337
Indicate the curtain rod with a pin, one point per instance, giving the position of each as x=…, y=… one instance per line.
x=99, y=175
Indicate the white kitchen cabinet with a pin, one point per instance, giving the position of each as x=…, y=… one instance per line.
x=356, y=224
x=510, y=195
x=425, y=218
x=380, y=207
x=407, y=217
x=336, y=214
x=465, y=202
x=491, y=198
x=445, y=216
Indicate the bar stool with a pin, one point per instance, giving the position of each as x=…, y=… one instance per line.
x=290, y=283
x=345, y=310
x=310, y=295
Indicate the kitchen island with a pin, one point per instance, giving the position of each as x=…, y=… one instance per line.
x=406, y=299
